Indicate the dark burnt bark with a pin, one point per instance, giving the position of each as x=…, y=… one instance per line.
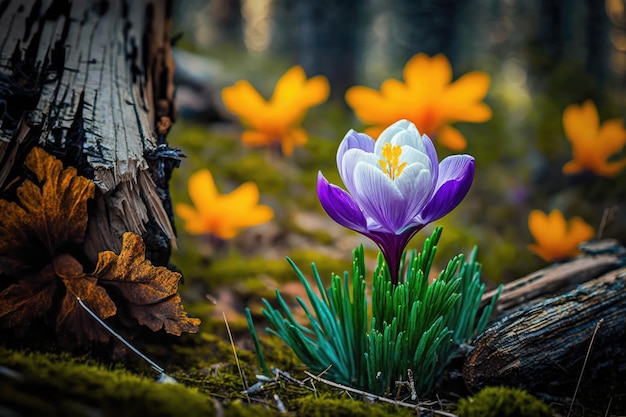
x=92, y=83
x=541, y=341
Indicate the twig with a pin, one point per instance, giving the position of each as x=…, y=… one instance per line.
x=279, y=404
x=232, y=343
x=607, y=217
x=411, y=384
x=254, y=388
x=287, y=376
x=580, y=378
x=212, y=299
x=608, y=407
x=377, y=397
x=163, y=377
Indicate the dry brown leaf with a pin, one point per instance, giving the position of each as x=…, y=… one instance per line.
x=168, y=314
x=72, y=317
x=13, y=256
x=151, y=291
x=50, y=214
x=49, y=218
x=27, y=299
x=59, y=212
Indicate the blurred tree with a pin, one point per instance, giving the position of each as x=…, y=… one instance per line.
x=427, y=26
x=323, y=35
x=227, y=20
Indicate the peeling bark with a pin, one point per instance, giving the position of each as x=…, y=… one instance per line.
x=92, y=83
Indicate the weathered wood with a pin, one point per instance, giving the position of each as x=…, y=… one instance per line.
x=92, y=82
x=542, y=347
x=598, y=257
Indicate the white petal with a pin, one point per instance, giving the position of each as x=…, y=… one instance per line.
x=351, y=158
x=409, y=139
x=388, y=134
x=417, y=186
x=411, y=155
x=402, y=137
x=378, y=197
x=432, y=156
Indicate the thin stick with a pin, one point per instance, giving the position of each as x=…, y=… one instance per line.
x=580, y=378
x=608, y=407
x=232, y=343
x=120, y=338
x=607, y=217
x=377, y=397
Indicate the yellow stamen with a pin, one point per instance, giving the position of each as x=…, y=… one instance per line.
x=390, y=161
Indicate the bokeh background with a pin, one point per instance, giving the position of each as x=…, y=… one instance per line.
x=541, y=55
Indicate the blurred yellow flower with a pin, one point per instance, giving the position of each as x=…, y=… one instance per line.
x=277, y=120
x=555, y=238
x=427, y=98
x=221, y=215
x=593, y=144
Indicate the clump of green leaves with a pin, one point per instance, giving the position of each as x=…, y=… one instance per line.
x=410, y=333
x=503, y=402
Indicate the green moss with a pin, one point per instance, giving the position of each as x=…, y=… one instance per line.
x=502, y=402
x=236, y=269
x=46, y=384
x=324, y=264
x=240, y=408
x=257, y=167
x=278, y=354
x=204, y=351
x=209, y=355
x=327, y=406
x=318, y=235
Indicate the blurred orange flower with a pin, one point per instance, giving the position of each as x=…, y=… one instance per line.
x=427, y=98
x=277, y=120
x=556, y=238
x=221, y=215
x=593, y=144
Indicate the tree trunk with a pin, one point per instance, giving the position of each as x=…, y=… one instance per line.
x=92, y=83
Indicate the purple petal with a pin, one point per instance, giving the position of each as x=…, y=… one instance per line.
x=340, y=206
x=456, y=174
x=352, y=140
x=392, y=245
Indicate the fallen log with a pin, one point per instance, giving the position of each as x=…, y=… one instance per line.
x=543, y=345
x=597, y=258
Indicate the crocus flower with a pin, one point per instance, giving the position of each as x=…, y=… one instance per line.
x=221, y=215
x=556, y=238
x=427, y=98
x=277, y=121
x=395, y=186
x=593, y=144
